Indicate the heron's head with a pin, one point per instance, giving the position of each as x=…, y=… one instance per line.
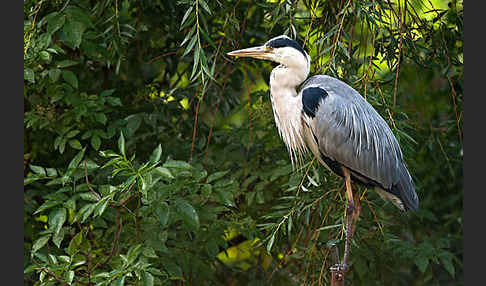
x=281, y=49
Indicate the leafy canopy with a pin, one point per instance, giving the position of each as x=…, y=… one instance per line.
x=150, y=158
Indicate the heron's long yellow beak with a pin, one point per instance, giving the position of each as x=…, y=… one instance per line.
x=261, y=52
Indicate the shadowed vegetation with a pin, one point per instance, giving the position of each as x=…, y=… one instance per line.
x=151, y=158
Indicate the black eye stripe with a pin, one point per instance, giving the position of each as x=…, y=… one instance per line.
x=286, y=42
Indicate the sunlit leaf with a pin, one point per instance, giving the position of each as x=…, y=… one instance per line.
x=57, y=217
x=190, y=45
x=40, y=242
x=121, y=143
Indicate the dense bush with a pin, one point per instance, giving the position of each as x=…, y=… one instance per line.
x=150, y=158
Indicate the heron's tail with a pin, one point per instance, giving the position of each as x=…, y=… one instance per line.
x=405, y=189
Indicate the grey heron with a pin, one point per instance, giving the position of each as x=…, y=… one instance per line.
x=333, y=121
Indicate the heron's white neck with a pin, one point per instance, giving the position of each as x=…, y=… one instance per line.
x=287, y=107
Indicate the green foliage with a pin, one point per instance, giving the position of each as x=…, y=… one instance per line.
x=152, y=159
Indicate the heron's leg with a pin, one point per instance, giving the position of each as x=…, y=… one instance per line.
x=349, y=217
x=338, y=272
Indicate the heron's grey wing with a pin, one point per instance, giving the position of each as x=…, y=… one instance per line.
x=349, y=132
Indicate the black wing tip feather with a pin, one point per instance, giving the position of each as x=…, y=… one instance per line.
x=405, y=190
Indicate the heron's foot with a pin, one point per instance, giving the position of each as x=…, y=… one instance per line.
x=338, y=273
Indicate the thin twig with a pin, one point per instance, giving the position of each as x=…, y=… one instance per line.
x=373, y=37
x=247, y=86
x=225, y=80
x=314, y=13
x=399, y=52
x=179, y=51
x=336, y=41
x=58, y=278
x=118, y=229
x=87, y=182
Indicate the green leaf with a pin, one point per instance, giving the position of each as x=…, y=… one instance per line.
x=190, y=45
x=40, y=242
x=206, y=190
x=205, y=6
x=101, y=206
x=62, y=145
x=149, y=252
x=121, y=143
x=164, y=173
x=29, y=75
x=329, y=227
x=73, y=31
x=208, y=38
x=89, y=196
x=95, y=142
x=133, y=124
x=55, y=23
x=54, y=51
x=177, y=165
x=30, y=180
x=69, y=276
x=189, y=21
x=107, y=92
x=30, y=268
x=79, y=14
x=44, y=41
x=270, y=243
x=54, y=74
x=133, y=253
x=161, y=211
x=70, y=78
x=113, y=101
x=66, y=63
x=216, y=176
x=51, y=172
x=343, y=49
x=75, y=243
x=45, y=56
x=90, y=164
x=197, y=53
x=75, y=162
x=74, y=143
x=173, y=269
x=155, y=157
x=56, y=219
x=446, y=259
x=422, y=262
x=188, y=214
x=47, y=205
x=188, y=12
x=38, y=170
x=72, y=133
x=101, y=118
x=225, y=197
x=84, y=212
x=120, y=281
x=289, y=226
x=148, y=279
x=188, y=36
x=58, y=237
